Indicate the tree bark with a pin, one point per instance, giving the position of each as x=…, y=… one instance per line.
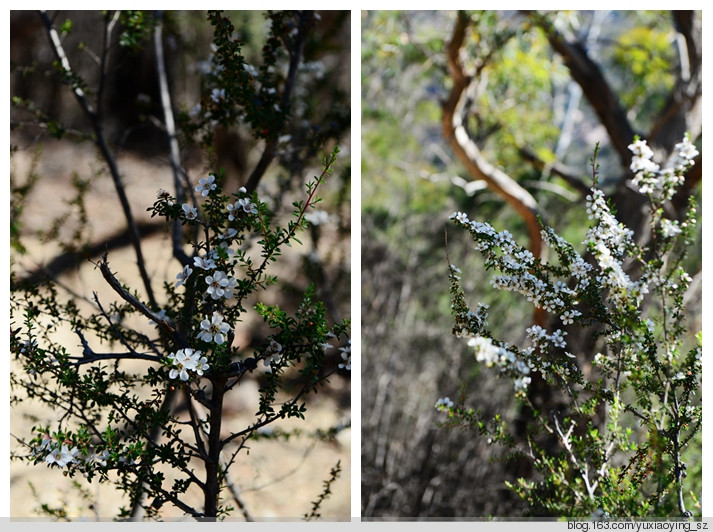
x=467, y=150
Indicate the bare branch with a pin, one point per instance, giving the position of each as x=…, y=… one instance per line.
x=88, y=354
x=682, y=111
x=572, y=178
x=295, y=59
x=594, y=85
x=100, y=141
x=138, y=305
x=174, y=153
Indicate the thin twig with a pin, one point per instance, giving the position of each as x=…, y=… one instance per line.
x=174, y=150
x=268, y=153
x=88, y=355
x=100, y=141
x=138, y=305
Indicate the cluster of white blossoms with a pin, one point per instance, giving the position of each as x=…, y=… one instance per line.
x=542, y=340
x=346, y=354
x=650, y=178
x=492, y=355
x=518, y=265
x=444, y=403
x=219, y=284
x=60, y=453
x=609, y=241
x=242, y=204
x=185, y=362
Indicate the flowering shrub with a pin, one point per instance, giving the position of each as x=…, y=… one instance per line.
x=146, y=410
x=644, y=379
x=191, y=354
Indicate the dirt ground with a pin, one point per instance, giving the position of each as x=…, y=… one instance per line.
x=277, y=480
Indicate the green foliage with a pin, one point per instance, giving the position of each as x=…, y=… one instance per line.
x=643, y=379
x=326, y=492
x=645, y=60
x=138, y=27
x=115, y=387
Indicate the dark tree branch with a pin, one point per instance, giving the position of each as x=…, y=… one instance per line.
x=71, y=260
x=594, y=86
x=682, y=111
x=108, y=30
x=305, y=17
x=88, y=354
x=138, y=305
x=100, y=141
x=572, y=178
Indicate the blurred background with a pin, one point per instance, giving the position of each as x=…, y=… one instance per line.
x=544, y=89
x=65, y=211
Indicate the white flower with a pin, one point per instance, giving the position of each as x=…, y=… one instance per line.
x=521, y=383
x=180, y=360
x=669, y=228
x=242, y=204
x=62, y=456
x=205, y=185
x=204, y=263
x=640, y=149
x=246, y=205
x=485, y=350
x=250, y=69
x=220, y=285
x=273, y=353
x=214, y=330
x=317, y=217
x=232, y=210
x=184, y=275
x=639, y=164
x=217, y=95
x=164, y=194
x=191, y=213
x=99, y=458
x=229, y=233
x=557, y=339
x=569, y=315
x=201, y=365
x=185, y=361
x=444, y=402
x=686, y=150
x=346, y=356
x=461, y=217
